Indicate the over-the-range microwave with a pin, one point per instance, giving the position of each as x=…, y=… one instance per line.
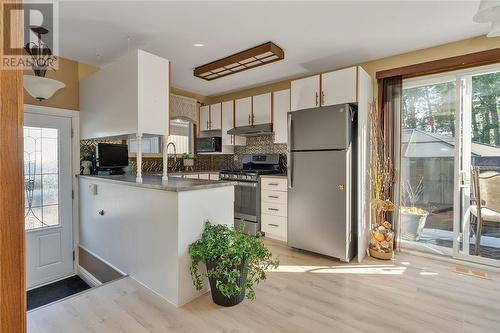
x=209, y=145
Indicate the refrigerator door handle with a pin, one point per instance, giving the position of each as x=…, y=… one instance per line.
x=289, y=156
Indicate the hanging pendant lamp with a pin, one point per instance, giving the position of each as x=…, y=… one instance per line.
x=38, y=85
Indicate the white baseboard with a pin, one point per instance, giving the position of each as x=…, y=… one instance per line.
x=87, y=277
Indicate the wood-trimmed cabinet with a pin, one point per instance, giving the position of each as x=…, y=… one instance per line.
x=305, y=93
x=243, y=112
x=227, y=124
x=211, y=117
x=254, y=110
x=261, y=109
x=336, y=87
x=273, y=207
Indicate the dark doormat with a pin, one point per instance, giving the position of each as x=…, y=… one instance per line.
x=55, y=291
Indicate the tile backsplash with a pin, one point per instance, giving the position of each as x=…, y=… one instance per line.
x=255, y=145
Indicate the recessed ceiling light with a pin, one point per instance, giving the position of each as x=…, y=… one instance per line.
x=198, y=45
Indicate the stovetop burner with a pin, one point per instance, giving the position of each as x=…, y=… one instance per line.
x=252, y=167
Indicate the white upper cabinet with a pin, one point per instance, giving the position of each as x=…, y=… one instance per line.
x=227, y=122
x=281, y=105
x=127, y=96
x=210, y=117
x=205, y=118
x=305, y=93
x=243, y=111
x=339, y=87
x=215, y=116
x=261, y=109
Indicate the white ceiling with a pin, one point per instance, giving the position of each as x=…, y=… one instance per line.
x=315, y=36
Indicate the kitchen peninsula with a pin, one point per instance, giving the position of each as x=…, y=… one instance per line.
x=144, y=229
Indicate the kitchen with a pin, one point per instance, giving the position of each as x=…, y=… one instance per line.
x=152, y=148
x=252, y=143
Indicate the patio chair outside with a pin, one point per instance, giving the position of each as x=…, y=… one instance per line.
x=486, y=207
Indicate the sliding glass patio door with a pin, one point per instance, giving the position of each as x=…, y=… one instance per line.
x=478, y=171
x=449, y=124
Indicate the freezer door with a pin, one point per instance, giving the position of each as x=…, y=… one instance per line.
x=322, y=128
x=318, y=210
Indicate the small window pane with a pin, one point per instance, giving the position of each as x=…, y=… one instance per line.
x=41, y=177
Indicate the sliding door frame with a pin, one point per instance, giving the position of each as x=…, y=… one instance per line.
x=463, y=139
x=462, y=151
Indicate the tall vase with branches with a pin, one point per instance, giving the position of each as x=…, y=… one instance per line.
x=382, y=178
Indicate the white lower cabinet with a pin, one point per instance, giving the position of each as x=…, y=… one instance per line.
x=274, y=226
x=273, y=207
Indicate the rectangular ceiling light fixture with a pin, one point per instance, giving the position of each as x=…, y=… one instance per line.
x=241, y=61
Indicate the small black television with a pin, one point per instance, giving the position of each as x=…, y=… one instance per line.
x=111, y=156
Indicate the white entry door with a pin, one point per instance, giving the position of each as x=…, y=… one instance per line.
x=48, y=198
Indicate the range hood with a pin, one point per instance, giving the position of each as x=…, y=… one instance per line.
x=252, y=130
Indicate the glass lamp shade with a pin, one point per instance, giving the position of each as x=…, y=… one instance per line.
x=41, y=88
x=488, y=11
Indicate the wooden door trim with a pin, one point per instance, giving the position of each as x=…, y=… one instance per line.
x=443, y=65
x=12, y=252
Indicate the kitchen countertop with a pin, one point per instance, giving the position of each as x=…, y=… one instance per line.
x=190, y=172
x=174, y=184
x=279, y=175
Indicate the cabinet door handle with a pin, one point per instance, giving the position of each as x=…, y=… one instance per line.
x=207, y=125
x=272, y=225
x=316, y=98
x=101, y=212
x=322, y=98
x=253, y=118
x=273, y=184
x=249, y=118
x=273, y=196
x=273, y=209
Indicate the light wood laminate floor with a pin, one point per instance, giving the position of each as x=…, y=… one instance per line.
x=308, y=293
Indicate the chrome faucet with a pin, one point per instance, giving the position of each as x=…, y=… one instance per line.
x=175, y=150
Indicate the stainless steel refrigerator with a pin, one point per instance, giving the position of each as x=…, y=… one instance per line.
x=320, y=180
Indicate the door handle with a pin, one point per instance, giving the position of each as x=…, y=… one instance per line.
x=207, y=125
x=272, y=225
x=316, y=98
x=289, y=155
x=273, y=184
x=273, y=209
x=322, y=98
x=463, y=179
x=249, y=119
x=273, y=196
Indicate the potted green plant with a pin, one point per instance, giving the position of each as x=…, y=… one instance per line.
x=188, y=160
x=235, y=263
x=412, y=218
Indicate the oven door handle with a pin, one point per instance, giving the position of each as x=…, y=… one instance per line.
x=246, y=184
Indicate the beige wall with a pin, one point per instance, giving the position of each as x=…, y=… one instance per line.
x=66, y=98
x=439, y=52
x=85, y=70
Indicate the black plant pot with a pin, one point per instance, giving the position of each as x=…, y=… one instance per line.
x=217, y=296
